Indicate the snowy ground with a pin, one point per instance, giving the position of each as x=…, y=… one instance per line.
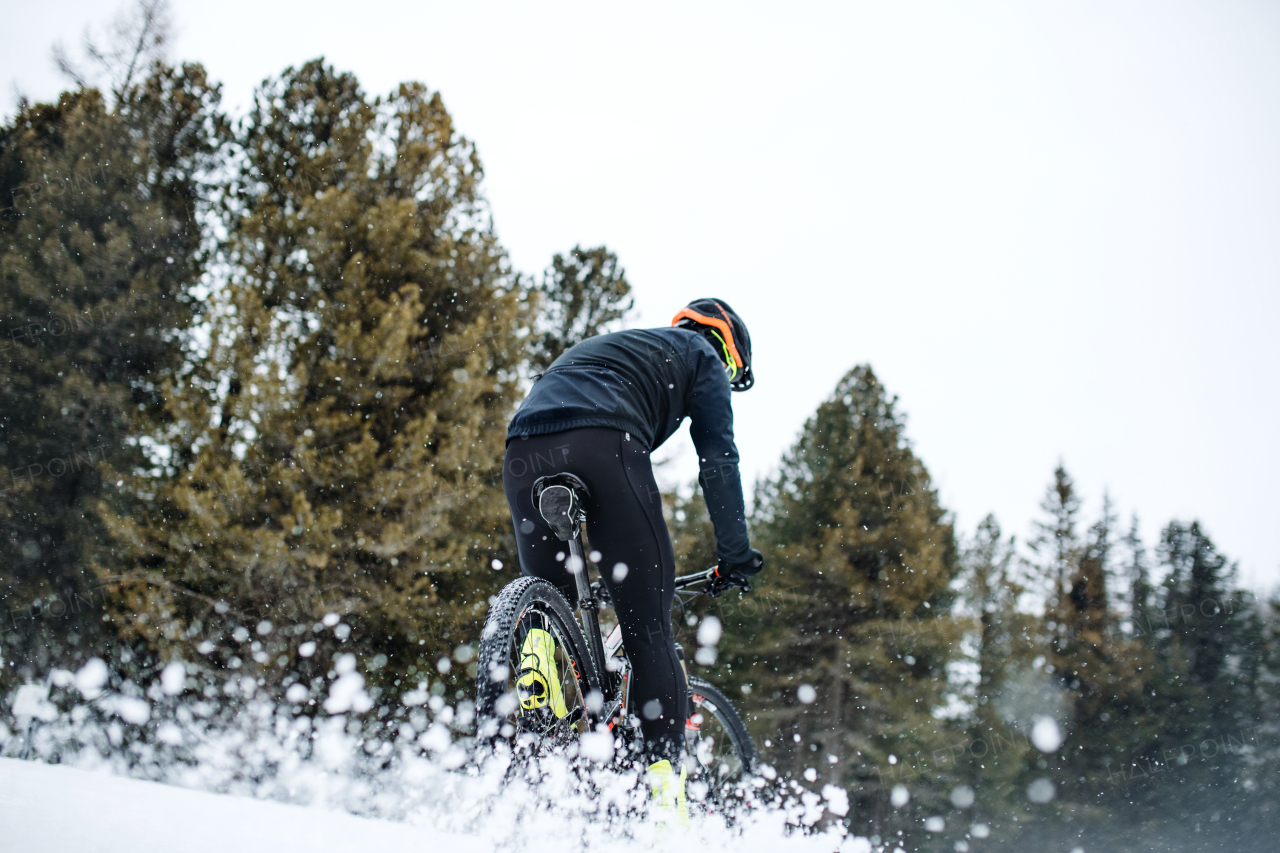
x=60, y=809
x=93, y=768
x=57, y=809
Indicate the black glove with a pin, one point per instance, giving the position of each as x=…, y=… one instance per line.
x=736, y=574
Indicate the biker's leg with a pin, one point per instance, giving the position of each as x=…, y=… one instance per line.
x=536, y=543
x=541, y=555
x=625, y=524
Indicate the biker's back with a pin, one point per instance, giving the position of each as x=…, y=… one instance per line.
x=641, y=381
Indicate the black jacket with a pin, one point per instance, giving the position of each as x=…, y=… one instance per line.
x=646, y=382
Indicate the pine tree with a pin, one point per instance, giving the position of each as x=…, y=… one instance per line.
x=1100, y=680
x=1057, y=542
x=1084, y=651
x=1259, y=766
x=1101, y=672
x=1207, y=625
x=337, y=449
x=98, y=248
x=846, y=643
x=581, y=295
x=1139, y=578
x=1203, y=651
x=996, y=750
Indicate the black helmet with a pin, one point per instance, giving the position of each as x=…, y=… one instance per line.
x=727, y=333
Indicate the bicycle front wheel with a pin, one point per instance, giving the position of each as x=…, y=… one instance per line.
x=718, y=739
x=534, y=670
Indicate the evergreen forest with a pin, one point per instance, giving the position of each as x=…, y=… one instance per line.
x=255, y=378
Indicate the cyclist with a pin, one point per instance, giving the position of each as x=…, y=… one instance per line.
x=598, y=412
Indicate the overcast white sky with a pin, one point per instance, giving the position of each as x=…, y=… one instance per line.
x=1052, y=228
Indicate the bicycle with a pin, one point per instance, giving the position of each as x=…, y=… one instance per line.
x=595, y=671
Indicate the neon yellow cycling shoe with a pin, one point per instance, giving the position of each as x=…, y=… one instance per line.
x=539, y=683
x=668, y=792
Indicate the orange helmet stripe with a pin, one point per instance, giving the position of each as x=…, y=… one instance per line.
x=724, y=327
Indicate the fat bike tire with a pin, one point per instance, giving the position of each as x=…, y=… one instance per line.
x=718, y=763
x=524, y=604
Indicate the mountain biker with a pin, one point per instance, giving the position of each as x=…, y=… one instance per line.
x=599, y=412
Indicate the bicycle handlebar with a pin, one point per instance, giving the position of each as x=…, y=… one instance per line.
x=686, y=581
x=682, y=584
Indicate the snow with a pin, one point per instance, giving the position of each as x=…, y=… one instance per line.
x=32, y=701
x=962, y=796
x=57, y=809
x=436, y=738
x=837, y=800
x=598, y=746
x=163, y=768
x=129, y=708
x=435, y=807
x=1046, y=735
x=173, y=679
x=1041, y=791
x=347, y=693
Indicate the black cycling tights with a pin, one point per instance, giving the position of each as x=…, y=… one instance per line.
x=625, y=524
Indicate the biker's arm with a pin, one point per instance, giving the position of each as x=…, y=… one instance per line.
x=711, y=427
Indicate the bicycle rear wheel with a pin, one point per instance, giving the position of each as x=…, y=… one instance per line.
x=718, y=739
x=534, y=671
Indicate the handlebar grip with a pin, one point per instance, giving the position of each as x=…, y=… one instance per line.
x=721, y=583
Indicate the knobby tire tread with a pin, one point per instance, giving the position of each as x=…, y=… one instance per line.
x=500, y=625
x=732, y=721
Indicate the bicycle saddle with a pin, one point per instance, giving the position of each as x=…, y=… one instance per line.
x=559, y=498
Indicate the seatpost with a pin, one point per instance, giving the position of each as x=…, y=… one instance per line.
x=590, y=611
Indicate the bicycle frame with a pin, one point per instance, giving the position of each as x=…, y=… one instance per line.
x=589, y=610
x=558, y=499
